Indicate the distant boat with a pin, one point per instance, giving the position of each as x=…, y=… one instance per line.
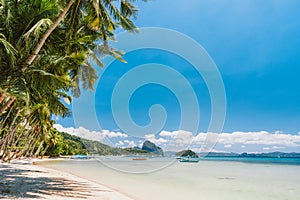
x=79, y=156
x=139, y=158
x=189, y=159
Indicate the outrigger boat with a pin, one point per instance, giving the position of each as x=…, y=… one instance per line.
x=79, y=156
x=189, y=159
x=138, y=158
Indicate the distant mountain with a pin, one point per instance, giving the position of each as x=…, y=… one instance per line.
x=95, y=147
x=84, y=146
x=218, y=154
x=72, y=145
x=265, y=155
x=152, y=148
x=136, y=150
x=272, y=155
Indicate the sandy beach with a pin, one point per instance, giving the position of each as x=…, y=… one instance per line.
x=206, y=180
x=28, y=181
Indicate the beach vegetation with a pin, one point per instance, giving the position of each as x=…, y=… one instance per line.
x=49, y=51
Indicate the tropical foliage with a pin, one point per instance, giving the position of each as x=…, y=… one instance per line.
x=48, y=50
x=63, y=144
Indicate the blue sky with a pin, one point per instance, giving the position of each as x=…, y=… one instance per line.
x=255, y=45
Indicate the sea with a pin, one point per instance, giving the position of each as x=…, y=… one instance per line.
x=212, y=178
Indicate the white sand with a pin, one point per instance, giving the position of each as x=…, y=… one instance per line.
x=27, y=181
x=206, y=180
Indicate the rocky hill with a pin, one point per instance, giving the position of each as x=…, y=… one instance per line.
x=152, y=148
x=186, y=153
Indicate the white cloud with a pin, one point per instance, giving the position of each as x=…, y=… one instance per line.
x=92, y=135
x=253, y=141
x=112, y=134
x=159, y=141
x=130, y=143
x=180, y=137
x=273, y=148
x=177, y=134
x=178, y=140
x=245, y=140
x=200, y=138
x=259, y=138
x=120, y=143
x=276, y=147
x=278, y=132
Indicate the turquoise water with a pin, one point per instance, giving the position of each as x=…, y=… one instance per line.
x=263, y=160
x=219, y=178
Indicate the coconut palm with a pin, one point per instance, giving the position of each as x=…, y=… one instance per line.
x=49, y=48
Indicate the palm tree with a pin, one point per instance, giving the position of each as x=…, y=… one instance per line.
x=101, y=16
x=45, y=48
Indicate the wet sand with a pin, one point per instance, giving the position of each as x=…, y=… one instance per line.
x=27, y=181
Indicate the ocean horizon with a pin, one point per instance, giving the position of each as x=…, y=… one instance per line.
x=262, y=160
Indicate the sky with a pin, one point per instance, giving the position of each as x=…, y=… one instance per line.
x=255, y=46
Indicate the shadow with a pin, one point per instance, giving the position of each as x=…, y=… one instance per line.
x=16, y=183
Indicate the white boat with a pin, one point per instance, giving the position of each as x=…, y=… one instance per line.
x=189, y=159
x=79, y=156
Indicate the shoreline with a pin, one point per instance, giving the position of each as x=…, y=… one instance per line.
x=27, y=181
x=207, y=179
x=38, y=163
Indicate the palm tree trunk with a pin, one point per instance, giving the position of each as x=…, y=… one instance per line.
x=21, y=133
x=8, y=136
x=2, y=97
x=26, y=137
x=41, y=43
x=39, y=149
x=7, y=105
x=33, y=147
x=46, y=148
x=14, y=136
x=31, y=143
x=6, y=117
x=28, y=142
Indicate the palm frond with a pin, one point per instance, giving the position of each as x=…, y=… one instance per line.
x=9, y=48
x=39, y=28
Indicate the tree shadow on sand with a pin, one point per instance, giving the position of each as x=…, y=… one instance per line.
x=15, y=183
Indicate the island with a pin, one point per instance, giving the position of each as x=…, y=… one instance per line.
x=187, y=153
x=152, y=148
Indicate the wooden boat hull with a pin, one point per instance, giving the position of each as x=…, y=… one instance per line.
x=139, y=158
